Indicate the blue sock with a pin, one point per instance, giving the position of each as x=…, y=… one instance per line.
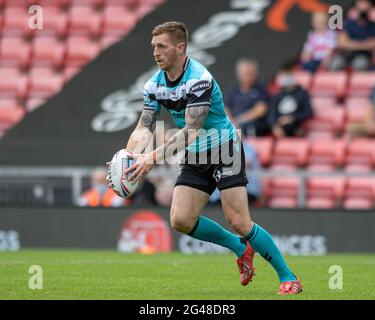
x=262, y=242
x=208, y=230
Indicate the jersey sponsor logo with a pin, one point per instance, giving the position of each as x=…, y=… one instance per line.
x=200, y=86
x=218, y=174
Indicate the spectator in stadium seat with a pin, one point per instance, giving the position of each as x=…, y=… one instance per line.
x=367, y=127
x=247, y=103
x=290, y=107
x=320, y=44
x=100, y=195
x=254, y=187
x=357, y=40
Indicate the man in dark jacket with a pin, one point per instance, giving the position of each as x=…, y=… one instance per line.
x=290, y=107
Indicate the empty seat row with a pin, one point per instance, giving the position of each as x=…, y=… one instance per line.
x=294, y=153
x=321, y=192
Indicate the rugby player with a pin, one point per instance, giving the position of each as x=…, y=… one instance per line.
x=192, y=96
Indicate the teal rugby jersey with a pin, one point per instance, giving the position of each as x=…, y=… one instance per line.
x=195, y=87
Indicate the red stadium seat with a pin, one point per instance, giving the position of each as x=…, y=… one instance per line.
x=69, y=73
x=326, y=187
x=263, y=147
x=55, y=23
x=80, y=51
x=44, y=83
x=284, y=186
x=118, y=20
x=358, y=168
x=361, y=151
x=15, y=21
x=354, y=115
x=293, y=151
x=358, y=103
x=48, y=52
x=314, y=135
x=108, y=41
x=329, y=84
x=34, y=103
x=357, y=204
x=361, y=83
x=304, y=79
x=360, y=188
x=10, y=114
x=14, y=52
x=84, y=21
x=327, y=152
x=318, y=168
x=283, y=203
x=13, y=84
x=321, y=203
x=323, y=103
x=282, y=167
x=332, y=121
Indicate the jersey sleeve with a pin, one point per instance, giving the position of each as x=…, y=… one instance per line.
x=149, y=99
x=200, y=92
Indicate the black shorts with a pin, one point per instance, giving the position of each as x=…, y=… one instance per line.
x=222, y=167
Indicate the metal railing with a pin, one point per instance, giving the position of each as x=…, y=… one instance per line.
x=77, y=174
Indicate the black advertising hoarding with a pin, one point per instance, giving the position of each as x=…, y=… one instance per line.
x=147, y=230
x=92, y=117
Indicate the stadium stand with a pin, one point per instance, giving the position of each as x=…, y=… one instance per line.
x=35, y=64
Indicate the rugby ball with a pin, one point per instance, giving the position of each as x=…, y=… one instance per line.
x=117, y=179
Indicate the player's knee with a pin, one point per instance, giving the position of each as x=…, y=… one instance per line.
x=181, y=224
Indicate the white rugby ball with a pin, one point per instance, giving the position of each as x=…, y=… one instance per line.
x=117, y=179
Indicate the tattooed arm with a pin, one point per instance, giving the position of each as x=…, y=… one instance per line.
x=142, y=137
x=194, y=118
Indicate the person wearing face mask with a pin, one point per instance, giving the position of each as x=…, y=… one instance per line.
x=357, y=40
x=100, y=195
x=290, y=107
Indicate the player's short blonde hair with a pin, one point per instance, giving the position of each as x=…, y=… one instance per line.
x=176, y=30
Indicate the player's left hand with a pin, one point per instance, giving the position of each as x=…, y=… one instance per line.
x=140, y=168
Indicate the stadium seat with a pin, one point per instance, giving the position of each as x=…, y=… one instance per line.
x=361, y=83
x=327, y=152
x=10, y=114
x=15, y=21
x=319, y=103
x=44, y=83
x=283, y=167
x=108, y=41
x=360, y=188
x=48, y=52
x=304, y=79
x=84, y=21
x=33, y=103
x=284, y=186
x=13, y=84
x=332, y=121
x=361, y=151
x=328, y=187
x=314, y=135
x=292, y=151
x=80, y=50
x=357, y=204
x=358, y=168
x=263, y=147
x=55, y=23
x=320, y=203
x=329, y=84
x=283, y=203
x=118, y=20
x=357, y=103
x=355, y=115
x=69, y=73
x=14, y=52
x=319, y=168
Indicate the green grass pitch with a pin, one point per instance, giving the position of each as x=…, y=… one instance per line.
x=79, y=274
